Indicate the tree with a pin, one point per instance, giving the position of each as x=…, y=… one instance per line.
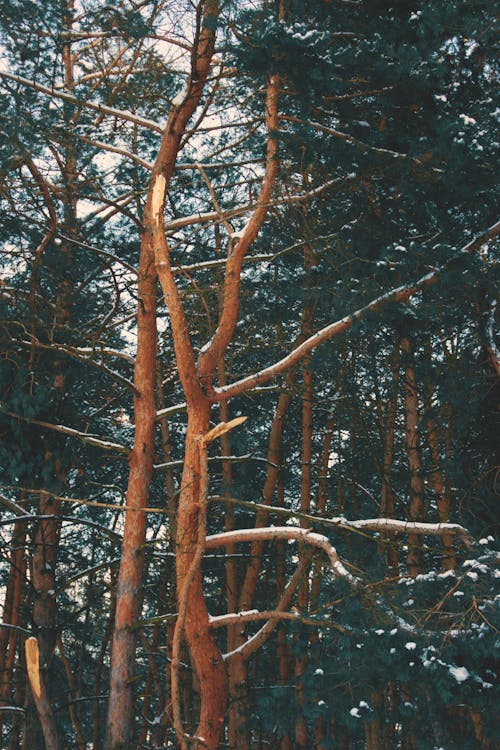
x=293, y=197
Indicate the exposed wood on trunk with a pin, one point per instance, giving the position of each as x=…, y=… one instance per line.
x=155, y=262
x=39, y=692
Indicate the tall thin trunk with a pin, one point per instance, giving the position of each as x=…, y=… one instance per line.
x=12, y=615
x=441, y=491
x=285, y=663
x=301, y=733
x=237, y=714
x=129, y=593
x=417, y=504
x=387, y=504
x=96, y=709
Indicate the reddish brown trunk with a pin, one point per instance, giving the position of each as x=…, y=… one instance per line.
x=387, y=504
x=301, y=733
x=440, y=490
x=205, y=654
x=417, y=506
x=129, y=588
x=14, y=596
x=72, y=694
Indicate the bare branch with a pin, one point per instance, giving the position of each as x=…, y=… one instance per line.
x=117, y=150
x=212, y=352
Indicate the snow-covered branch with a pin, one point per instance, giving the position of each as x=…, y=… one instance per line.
x=283, y=532
x=117, y=150
x=11, y=505
x=369, y=524
x=254, y=615
x=491, y=344
x=95, y=106
x=83, y=436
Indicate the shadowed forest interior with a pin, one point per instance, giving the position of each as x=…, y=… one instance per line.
x=249, y=375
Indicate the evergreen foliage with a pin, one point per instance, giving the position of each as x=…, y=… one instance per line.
x=386, y=169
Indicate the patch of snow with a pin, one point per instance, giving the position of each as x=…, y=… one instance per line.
x=467, y=120
x=459, y=673
x=411, y=645
x=355, y=712
x=180, y=96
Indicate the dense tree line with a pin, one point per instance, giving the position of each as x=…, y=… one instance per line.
x=249, y=375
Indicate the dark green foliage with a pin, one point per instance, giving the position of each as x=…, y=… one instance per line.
x=394, y=103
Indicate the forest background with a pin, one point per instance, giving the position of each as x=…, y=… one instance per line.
x=249, y=375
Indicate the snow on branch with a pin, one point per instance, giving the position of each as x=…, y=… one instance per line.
x=283, y=532
x=491, y=345
x=83, y=436
x=410, y=527
x=254, y=615
x=369, y=524
x=400, y=294
x=95, y=106
x=11, y=505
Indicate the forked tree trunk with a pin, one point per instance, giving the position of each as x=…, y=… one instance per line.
x=129, y=593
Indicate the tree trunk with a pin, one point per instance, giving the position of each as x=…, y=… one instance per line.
x=417, y=505
x=205, y=654
x=387, y=505
x=12, y=614
x=441, y=492
x=129, y=593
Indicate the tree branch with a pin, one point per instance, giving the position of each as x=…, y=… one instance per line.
x=282, y=532
x=401, y=294
x=213, y=351
x=96, y=107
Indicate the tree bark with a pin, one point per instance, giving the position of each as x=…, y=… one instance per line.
x=417, y=504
